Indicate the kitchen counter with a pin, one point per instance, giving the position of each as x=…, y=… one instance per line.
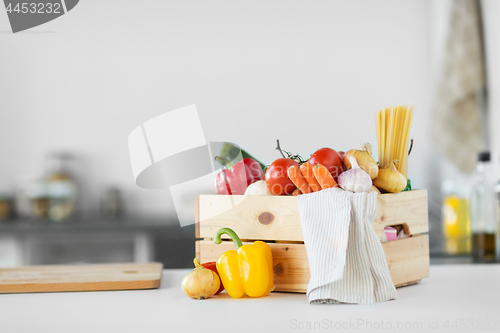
x=454, y=298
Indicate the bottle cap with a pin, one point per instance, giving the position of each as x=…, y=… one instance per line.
x=484, y=156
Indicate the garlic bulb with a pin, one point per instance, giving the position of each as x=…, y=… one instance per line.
x=364, y=159
x=390, y=179
x=258, y=188
x=355, y=179
x=200, y=283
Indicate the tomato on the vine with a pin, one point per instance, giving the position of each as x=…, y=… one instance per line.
x=330, y=159
x=277, y=180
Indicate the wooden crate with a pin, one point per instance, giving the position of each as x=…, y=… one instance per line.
x=275, y=219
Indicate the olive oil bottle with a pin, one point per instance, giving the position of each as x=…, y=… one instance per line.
x=483, y=215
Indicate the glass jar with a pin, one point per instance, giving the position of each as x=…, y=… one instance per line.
x=61, y=188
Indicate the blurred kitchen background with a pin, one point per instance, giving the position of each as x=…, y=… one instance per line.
x=310, y=73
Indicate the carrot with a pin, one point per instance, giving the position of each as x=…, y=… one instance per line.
x=306, y=170
x=296, y=192
x=299, y=180
x=324, y=177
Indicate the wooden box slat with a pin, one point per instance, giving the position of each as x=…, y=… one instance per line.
x=242, y=213
x=277, y=217
x=408, y=261
x=407, y=208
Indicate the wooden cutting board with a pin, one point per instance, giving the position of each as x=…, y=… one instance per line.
x=38, y=279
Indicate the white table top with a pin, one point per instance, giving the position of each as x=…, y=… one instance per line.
x=455, y=298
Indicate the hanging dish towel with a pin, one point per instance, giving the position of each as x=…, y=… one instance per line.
x=456, y=124
x=346, y=260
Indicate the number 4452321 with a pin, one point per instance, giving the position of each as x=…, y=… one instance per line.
x=35, y=8
x=471, y=324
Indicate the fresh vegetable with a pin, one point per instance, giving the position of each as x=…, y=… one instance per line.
x=355, y=179
x=201, y=282
x=306, y=170
x=390, y=179
x=212, y=265
x=323, y=176
x=249, y=270
x=296, y=192
x=237, y=179
x=330, y=159
x=299, y=180
x=258, y=188
x=364, y=159
x=277, y=179
x=375, y=189
x=231, y=181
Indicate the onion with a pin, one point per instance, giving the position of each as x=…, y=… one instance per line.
x=390, y=179
x=201, y=282
x=364, y=159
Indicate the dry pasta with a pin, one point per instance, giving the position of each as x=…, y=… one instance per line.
x=393, y=135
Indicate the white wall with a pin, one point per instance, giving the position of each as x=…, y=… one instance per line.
x=311, y=73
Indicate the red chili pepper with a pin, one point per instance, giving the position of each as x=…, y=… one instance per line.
x=237, y=179
x=212, y=265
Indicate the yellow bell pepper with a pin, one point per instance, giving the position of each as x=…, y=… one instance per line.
x=248, y=270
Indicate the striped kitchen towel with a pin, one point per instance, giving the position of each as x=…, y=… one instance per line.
x=346, y=260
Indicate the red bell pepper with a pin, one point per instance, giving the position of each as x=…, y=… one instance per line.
x=237, y=179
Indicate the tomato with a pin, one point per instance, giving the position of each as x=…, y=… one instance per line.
x=277, y=180
x=330, y=159
x=213, y=267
